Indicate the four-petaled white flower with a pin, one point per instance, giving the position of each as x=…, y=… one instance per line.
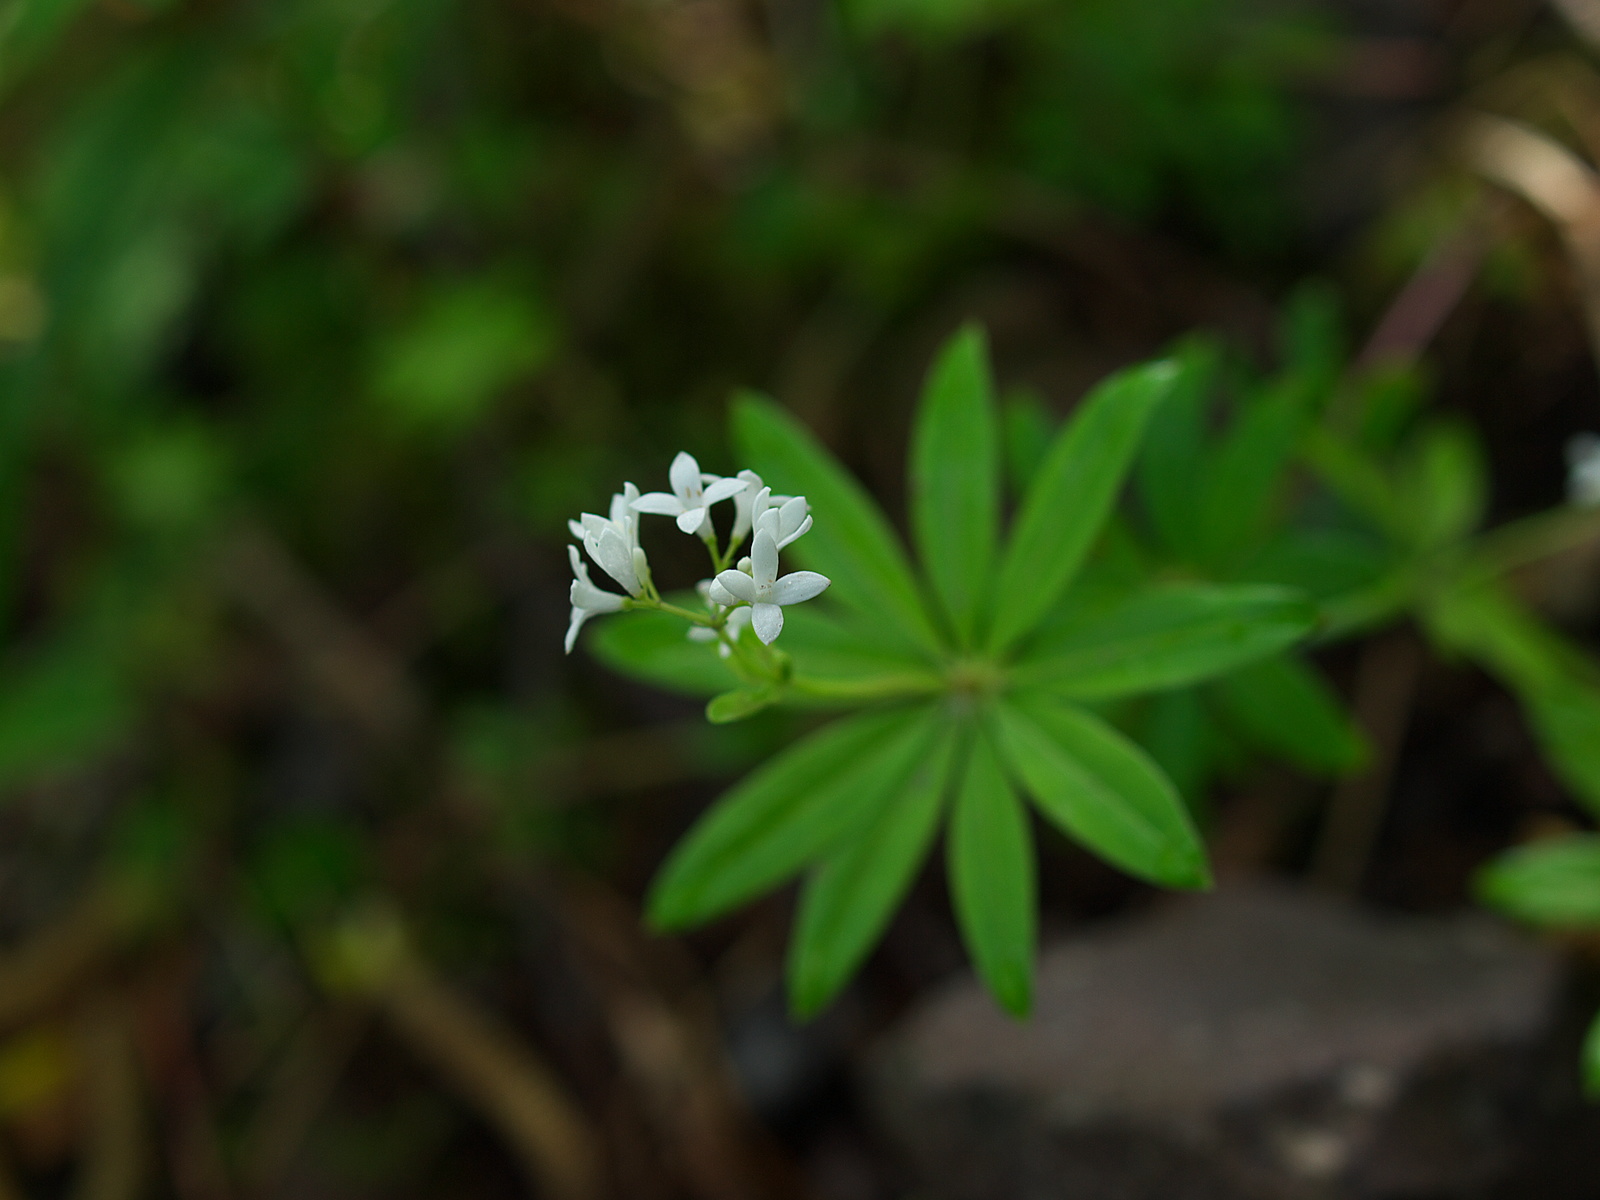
x=763, y=590
x=785, y=517
x=692, y=495
x=587, y=600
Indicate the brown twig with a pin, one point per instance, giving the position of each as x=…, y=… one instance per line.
x=299, y=1091
x=335, y=653
x=1420, y=309
x=1553, y=180
x=491, y=1067
x=1386, y=685
x=114, y=1156
x=670, y=1052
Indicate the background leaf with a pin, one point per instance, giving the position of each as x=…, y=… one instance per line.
x=955, y=478
x=1285, y=706
x=992, y=878
x=1071, y=497
x=1165, y=637
x=1555, y=882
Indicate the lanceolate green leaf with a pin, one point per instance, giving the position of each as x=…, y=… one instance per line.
x=849, y=898
x=787, y=813
x=1102, y=790
x=1071, y=497
x=955, y=479
x=1286, y=707
x=854, y=546
x=1245, y=472
x=1548, y=883
x=1167, y=637
x=1171, y=461
x=992, y=878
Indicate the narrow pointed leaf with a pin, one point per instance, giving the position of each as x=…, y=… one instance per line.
x=851, y=543
x=1555, y=882
x=1287, y=707
x=787, y=813
x=850, y=897
x=1164, y=638
x=955, y=478
x=741, y=703
x=1103, y=791
x=1071, y=497
x=992, y=885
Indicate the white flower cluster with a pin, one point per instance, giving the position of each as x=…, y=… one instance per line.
x=752, y=593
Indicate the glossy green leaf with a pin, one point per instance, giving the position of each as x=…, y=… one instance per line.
x=1102, y=790
x=654, y=648
x=1166, y=637
x=955, y=479
x=1070, y=499
x=851, y=543
x=787, y=813
x=741, y=703
x=848, y=900
x=992, y=886
x=1287, y=708
x=1555, y=882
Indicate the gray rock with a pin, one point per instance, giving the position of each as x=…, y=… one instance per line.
x=1257, y=1044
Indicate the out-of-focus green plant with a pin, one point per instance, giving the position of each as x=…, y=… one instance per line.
x=977, y=675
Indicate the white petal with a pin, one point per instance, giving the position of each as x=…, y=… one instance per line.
x=760, y=505
x=736, y=584
x=615, y=557
x=737, y=620
x=586, y=596
x=722, y=489
x=661, y=503
x=804, y=526
x=798, y=586
x=577, y=529
x=702, y=633
x=685, y=476
x=579, y=570
x=764, y=558
x=767, y=621
x=579, y=616
x=690, y=519
x=718, y=594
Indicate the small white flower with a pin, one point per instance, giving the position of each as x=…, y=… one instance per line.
x=1583, y=470
x=587, y=600
x=692, y=495
x=787, y=517
x=763, y=590
x=613, y=542
x=744, y=506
